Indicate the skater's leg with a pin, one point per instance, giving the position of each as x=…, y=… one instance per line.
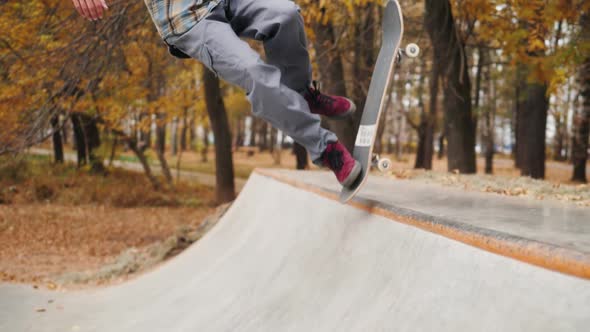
x=279, y=25
x=216, y=45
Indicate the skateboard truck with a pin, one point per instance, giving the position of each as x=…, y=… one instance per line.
x=382, y=164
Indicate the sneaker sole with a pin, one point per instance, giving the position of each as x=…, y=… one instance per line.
x=353, y=176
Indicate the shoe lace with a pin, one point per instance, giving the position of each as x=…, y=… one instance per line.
x=319, y=98
x=335, y=160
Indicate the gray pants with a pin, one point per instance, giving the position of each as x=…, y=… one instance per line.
x=273, y=88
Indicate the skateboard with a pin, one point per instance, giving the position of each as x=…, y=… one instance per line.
x=389, y=55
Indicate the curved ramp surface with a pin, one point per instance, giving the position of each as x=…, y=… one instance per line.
x=288, y=259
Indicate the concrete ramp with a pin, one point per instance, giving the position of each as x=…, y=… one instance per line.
x=288, y=257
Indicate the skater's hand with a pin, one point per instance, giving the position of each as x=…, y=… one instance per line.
x=91, y=9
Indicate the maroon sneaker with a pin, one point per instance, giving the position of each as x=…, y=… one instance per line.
x=337, y=158
x=332, y=106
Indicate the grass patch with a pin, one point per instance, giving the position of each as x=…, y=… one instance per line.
x=127, y=158
x=36, y=180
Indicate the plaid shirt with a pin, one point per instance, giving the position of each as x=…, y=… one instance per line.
x=175, y=17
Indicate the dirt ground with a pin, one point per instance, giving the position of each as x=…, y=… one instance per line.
x=61, y=227
x=505, y=180
x=45, y=242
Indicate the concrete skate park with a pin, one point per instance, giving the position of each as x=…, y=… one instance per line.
x=287, y=256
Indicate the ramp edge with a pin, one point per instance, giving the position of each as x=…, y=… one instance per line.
x=540, y=254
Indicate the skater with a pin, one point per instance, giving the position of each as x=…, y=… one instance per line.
x=280, y=90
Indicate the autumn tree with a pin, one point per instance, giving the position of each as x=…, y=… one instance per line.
x=450, y=62
x=582, y=116
x=113, y=75
x=225, y=188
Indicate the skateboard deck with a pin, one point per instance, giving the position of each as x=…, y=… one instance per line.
x=392, y=27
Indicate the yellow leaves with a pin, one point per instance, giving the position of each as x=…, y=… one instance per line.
x=483, y=10
x=525, y=31
x=236, y=103
x=518, y=191
x=558, y=78
x=10, y=91
x=536, y=45
x=339, y=12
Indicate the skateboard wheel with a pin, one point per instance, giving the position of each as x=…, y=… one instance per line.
x=412, y=50
x=384, y=165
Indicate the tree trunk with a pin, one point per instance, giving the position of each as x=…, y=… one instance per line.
x=113, y=151
x=441, y=146
x=160, y=136
x=240, y=132
x=430, y=117
x=65, y=133
x=425, y=117
x=79, y=139
x=450, y=52
x=225, y=190
x=419, y=163
x=144, y=163
x=254, y=131
x=535, y=103
x=582, y=117
x=400, y=137
x=534, y=115
x=93, y=142
x=87, y=140
x=263, y=139
x=558, y=115
x=174, y=136
x=277, y=149
x=145, y=136
x=568, y=115
x=490, y=116
x=489, y=159
x=517, y=118
x=581, y=136
x=480, y=61
x=273, y=139
x=481, y=55
x=58, y=148
x=300, y=156
x=192, y=134
x=205, y=150
x=184, y=131
x=161, y=149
